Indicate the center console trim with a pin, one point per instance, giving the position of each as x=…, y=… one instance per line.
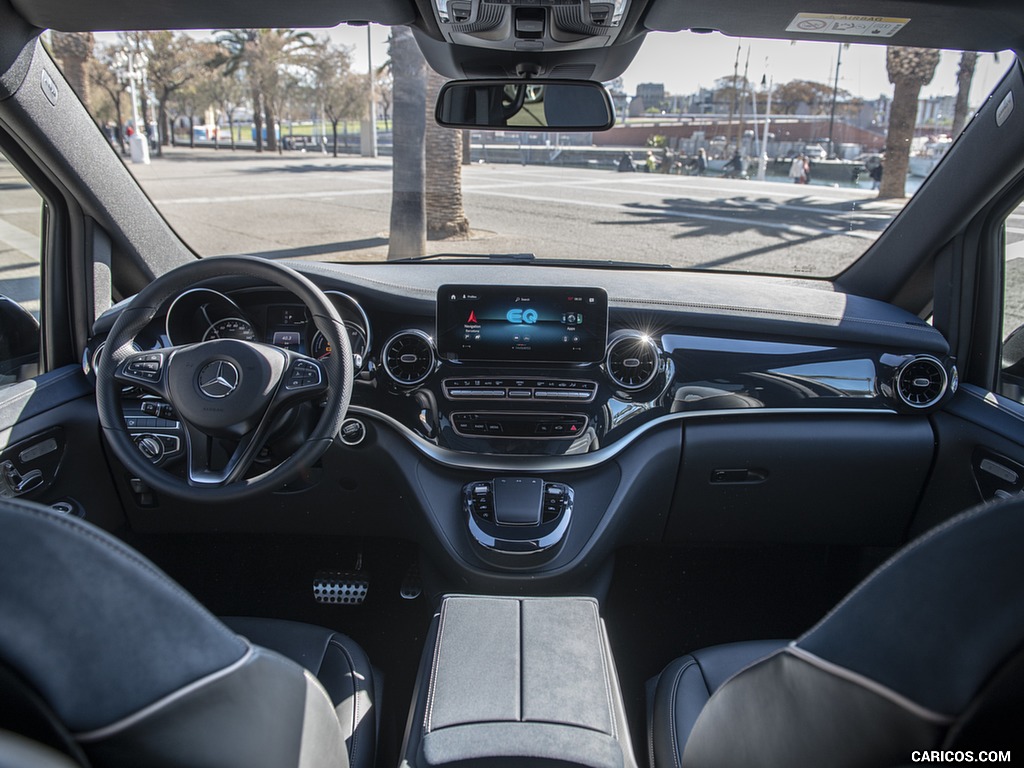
x=499, y=463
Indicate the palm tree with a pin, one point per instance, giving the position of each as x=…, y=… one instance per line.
x=446, y=216
x=261, y=55
x=964, y=76
x=408, y=235
x=909, y=70
x=74, y=49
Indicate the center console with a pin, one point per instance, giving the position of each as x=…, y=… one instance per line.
x=517, y=681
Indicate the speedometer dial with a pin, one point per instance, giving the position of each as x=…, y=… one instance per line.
x=230, y=328
x=320, y=348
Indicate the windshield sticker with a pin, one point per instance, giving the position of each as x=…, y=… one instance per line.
x=835, y=24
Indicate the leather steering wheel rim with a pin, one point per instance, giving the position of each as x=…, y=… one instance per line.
x=145, y=306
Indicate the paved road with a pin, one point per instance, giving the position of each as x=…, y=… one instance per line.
x=308, y=205
x=312, y=206
x=19, y=238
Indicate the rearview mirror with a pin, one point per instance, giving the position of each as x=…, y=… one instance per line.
x=534, y=105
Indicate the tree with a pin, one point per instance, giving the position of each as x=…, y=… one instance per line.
x=341, y=94
x=198, y=94
x=816, y=97
x=74, y=49
x=385, y=84
x=261, y=55
x=408, y=235
x=909, y=70
x=446, y=216
x=964, y=77
x=101, y=75
x=172, y=64
x=227, y=93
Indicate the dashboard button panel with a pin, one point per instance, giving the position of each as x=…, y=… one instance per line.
x=519, y=425
x=566, y=390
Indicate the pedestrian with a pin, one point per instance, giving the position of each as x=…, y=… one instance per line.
x=735, y=168
x=796, y=169
x=702, y=162
x=807, y=170
x=651, y=163
x=876, y=174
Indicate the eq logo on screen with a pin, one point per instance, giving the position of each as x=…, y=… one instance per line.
x=528, y=316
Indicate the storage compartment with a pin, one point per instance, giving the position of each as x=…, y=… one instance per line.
x=518, y=681
x=802, y=479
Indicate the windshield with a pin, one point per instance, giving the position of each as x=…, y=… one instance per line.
x=743, y=155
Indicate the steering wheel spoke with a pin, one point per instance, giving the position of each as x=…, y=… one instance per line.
x=201, y=452
x=304, y=378
x=145, y=369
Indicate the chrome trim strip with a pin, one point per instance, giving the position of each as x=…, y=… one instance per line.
x=518, y=463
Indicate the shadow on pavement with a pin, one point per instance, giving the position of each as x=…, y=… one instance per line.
x=797, y=221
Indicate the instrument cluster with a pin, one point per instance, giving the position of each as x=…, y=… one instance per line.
x=203, y=314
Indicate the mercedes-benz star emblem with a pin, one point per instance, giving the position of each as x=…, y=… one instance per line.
x=218, y=379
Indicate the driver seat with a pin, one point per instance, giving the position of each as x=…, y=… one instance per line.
x=105, y=661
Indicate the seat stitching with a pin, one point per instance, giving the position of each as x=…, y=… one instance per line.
x=433, y=669
x=674, y=731
x=124, y=553
x=607, y=675
x=122, y=724
x=939, y=530
x=355, y=698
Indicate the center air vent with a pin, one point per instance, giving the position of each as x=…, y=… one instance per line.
x=408, y=357
x=632, y=361
x=921, y=383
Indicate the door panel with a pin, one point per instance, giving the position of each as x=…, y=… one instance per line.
x=51, y=450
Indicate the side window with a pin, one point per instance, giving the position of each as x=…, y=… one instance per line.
x=20, y=284
x=1011, y=377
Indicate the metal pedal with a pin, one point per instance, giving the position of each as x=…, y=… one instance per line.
x=411, y=587
x=341, y=587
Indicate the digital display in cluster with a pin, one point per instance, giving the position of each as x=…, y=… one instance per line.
x=522, y=323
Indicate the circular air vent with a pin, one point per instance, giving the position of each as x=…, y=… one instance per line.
x=632, y=361
x=921, y=383
x=408, y=357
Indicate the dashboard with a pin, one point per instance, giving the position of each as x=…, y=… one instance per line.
x=546, y=370
x=637, y=406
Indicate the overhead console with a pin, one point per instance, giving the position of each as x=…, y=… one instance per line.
x=530, y=25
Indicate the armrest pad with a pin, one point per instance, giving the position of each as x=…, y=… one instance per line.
x=523, y=681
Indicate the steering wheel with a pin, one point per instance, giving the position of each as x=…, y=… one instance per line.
x=224, y=389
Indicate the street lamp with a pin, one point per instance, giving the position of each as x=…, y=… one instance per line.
x=762, y=165
x=131, y=66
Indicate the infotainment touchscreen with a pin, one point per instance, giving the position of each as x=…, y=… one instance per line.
x=522, y=323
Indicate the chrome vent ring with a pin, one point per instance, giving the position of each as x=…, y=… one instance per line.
x=632, y=361
x=408, y=357
x=921, y=382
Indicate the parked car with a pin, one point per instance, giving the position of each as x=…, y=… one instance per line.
x=593, y=483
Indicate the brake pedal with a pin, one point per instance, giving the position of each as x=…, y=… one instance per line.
x=412, y=586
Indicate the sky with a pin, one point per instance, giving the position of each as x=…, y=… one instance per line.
x=685, y=62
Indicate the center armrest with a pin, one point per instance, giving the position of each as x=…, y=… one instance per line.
x=523, y=681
